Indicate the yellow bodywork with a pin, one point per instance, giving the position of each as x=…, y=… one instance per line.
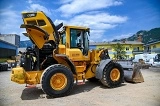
x=19, y=75
x=36, y=36
x=85, y=65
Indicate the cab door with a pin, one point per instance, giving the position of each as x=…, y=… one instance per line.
x=79, y=44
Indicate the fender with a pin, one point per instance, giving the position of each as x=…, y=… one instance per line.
x=73, y=69
x=100, y=67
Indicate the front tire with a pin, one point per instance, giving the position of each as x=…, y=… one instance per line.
x=57, y=80
x=113, y=75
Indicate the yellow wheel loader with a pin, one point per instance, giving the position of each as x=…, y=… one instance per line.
x=61, y=56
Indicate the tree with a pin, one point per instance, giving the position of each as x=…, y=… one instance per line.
x=119, y=51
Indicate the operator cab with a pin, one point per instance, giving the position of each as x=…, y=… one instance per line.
x=78, y=38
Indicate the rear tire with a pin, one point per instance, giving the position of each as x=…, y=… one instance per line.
x=113, y=75
x=57, y=80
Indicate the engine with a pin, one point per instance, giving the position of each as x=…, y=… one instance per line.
x=35, y=59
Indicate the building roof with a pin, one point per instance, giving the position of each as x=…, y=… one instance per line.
x=156, y=50
x=121, y=42
x=152, y=43
x=7, y=43
x=8, y=35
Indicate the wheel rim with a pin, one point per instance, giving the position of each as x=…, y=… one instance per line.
x=58, y=81
x=115, y=74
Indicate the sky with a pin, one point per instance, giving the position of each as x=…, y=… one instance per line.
x=107, y=19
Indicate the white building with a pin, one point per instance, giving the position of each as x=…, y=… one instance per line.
x=11, y=38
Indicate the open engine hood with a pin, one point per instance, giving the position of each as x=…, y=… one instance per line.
x=36, y=34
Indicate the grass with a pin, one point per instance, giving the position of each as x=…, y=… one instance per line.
x=3, y=60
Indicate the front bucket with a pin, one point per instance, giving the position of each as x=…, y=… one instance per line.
x=134, y=76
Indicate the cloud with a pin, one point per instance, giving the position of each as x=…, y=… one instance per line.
x=29, y=1
x=122, y=36
x=96, y=34
x=78, y=6
x=38, y=7
x=65, y=1
x=98, y=20
x=90, y=13
x=87, y=13
x=10, y=21
x=95, y=22
x=91, y=40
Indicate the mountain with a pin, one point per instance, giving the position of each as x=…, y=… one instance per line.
x=24, y=44
x=152, y=35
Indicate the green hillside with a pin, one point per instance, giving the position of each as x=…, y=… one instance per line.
x=152, y=35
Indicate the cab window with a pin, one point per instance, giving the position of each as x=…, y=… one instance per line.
x=76, y=36
x=63, y=39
